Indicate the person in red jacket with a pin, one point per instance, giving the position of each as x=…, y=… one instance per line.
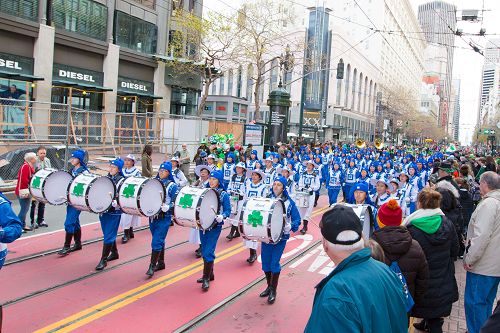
x=22, y=189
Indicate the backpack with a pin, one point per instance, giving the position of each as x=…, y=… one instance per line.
x=409, y=300
x=474, y=191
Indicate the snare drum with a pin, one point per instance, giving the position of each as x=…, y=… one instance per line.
x=364, y=212
x=91, y=193
x=141, y=196
x=50, y=186
x=234, y=204
x=263, y=219
x=196, y=207
x=302, y=199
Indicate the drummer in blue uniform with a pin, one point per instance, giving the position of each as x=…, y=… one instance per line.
x=251, y=161
x=236, y=189
x=72, y=222
x=129, y=222
x=11, y=227
x=334, y=182
x=309, y=182
x=159, y=224
x=110, y=220
x=350, y=177
x=228, y=168
x=210, y=237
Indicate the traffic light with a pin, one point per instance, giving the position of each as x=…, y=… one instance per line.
x=340, y=70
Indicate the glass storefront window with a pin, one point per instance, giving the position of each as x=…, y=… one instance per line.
x=84, y=17
x=134, y=33
x=184, y=102
x=26, y=9
x=13, y=97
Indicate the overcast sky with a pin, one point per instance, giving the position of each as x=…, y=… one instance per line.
x=467, y=64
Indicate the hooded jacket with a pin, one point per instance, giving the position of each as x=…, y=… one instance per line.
x=483, y=237
x=399, y=246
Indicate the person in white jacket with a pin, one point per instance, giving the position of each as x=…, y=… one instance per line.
x=481, y=254
x=129, y=222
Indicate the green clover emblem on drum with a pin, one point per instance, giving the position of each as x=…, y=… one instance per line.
x=129, y=191
x=186, y=201
x=36, y=182
x=78, y=190
x=255, y=218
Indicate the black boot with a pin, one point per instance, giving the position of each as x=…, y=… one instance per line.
x=161, y=261
x=212, y=276
x=126, y=236
x=422, y=326
x=66, y=247
x=131, y=232
x=197, y=253
x=265, y=293
x=231, y=233
x=207, y=270
x=154, y=259
x=253, y=256
x=114, y=252
x=236, y=232
x=316, y=197
x=78, y=241
x=274, y=285
x=106, y=248
x=304, y=228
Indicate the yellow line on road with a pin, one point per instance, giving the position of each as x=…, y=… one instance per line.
x=97, y=311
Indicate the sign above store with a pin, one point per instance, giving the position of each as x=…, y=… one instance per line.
x=77, y=75
x=15, y=64
x=129, y=85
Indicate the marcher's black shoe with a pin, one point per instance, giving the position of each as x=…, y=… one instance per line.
x=207, y=270
x=78, y=241
x=274, y=286
x=43, y=224
x=126, y=236
x=152, y=265
x=67, y=243
x=114, y=253
x=212, y=276
x=198, y=252
x=101, y=265
x=231, y=233
x=303, y=231
x=131, y=232
x=253, y=256
x=265, y=293
x=236, y=233
x=161, y=261
x=106, y=248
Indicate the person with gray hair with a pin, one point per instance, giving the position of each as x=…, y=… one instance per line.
x=22, y=188
x=481, y=254
x=360, y=294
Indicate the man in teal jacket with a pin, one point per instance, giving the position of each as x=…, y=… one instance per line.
x=361, y=294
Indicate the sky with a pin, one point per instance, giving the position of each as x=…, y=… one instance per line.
x=467, y=64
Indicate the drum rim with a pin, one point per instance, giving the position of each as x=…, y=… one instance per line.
x=139, y=191
x=197, y=211
x=86, y=195
x=269, y=216
x=282, y=219
x=42, y=188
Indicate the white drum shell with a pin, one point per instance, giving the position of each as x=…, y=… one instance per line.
x=202, y=211
x=364, y=214
x=91, y=193
x=141, y=196
x=273, y=220
x=52, y=186
x=302, y=199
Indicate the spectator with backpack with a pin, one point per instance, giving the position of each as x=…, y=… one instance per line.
x=437, y=236
x=401, y=252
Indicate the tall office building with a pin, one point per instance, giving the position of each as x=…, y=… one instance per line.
x=438, y=22
x=455, y=123
x=490, y=92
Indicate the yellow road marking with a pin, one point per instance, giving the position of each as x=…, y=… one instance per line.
x=108, y=306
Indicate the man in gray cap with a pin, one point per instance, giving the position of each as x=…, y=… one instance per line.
x=360, y=294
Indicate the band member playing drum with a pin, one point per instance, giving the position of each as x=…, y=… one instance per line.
x=110, y=220
x=160, y=223
x=202, y=171
x=129, y=222
x=255, y=188
x=236, y=189
x=72, y=222
x=271, y=253
x=179, y=176
x=210, y=237
x=309, y=182
x=361, y=194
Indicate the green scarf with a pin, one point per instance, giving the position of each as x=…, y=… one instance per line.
x=428, y=224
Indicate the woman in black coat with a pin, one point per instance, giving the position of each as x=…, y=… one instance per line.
x=437, y=236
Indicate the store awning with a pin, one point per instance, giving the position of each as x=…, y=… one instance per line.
x=20, y=77
x=134, y=94
x=64, y=83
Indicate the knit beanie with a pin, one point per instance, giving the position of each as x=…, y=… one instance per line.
x=390, y=214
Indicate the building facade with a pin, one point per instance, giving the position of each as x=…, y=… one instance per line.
x=96, y=55
x=490, y=85
x=455, y=122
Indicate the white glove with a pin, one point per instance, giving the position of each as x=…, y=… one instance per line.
x=219, y=218
x=407, y=200
x=164, y=208
x=114, y=203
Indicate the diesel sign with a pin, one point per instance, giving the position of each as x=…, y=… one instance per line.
x=10, y=64
x=76, y=76
x=134, y=86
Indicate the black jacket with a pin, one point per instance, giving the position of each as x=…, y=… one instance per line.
x=440, y=248
x=492, y=325
x=399, y=246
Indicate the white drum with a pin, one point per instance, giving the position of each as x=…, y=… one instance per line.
x=196, y=207
x=141, y=196
x=50, y=186
x=302, y=199
x=364, y=213
x=91, y=193
x=263, y=219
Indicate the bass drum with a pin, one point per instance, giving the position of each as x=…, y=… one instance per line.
x=365, y=214
x=50, y=186
x=91, y=193
x=263, y=219
x=141, y=196
x=196, y=207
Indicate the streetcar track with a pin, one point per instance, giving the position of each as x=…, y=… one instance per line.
x=217, y=308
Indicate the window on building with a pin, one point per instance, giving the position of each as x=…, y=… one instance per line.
x=370, y=105
x=26, y=9
x=147, y=3
x=239, y=82
x=365, y=93
x=249, y=93
x=273, y=83
x=359, y=91
x=354, y=81
x=214, y=87
x=134, y=33
x=230, y=82
x=347, y=82
x=221, y=84
x=84, y=17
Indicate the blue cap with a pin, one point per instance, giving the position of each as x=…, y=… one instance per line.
x=360, y=187
x=217, y=174
x=80, y=155
x=166, y=166
x=118, y=162
x=203, y=154
x=254, y=152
